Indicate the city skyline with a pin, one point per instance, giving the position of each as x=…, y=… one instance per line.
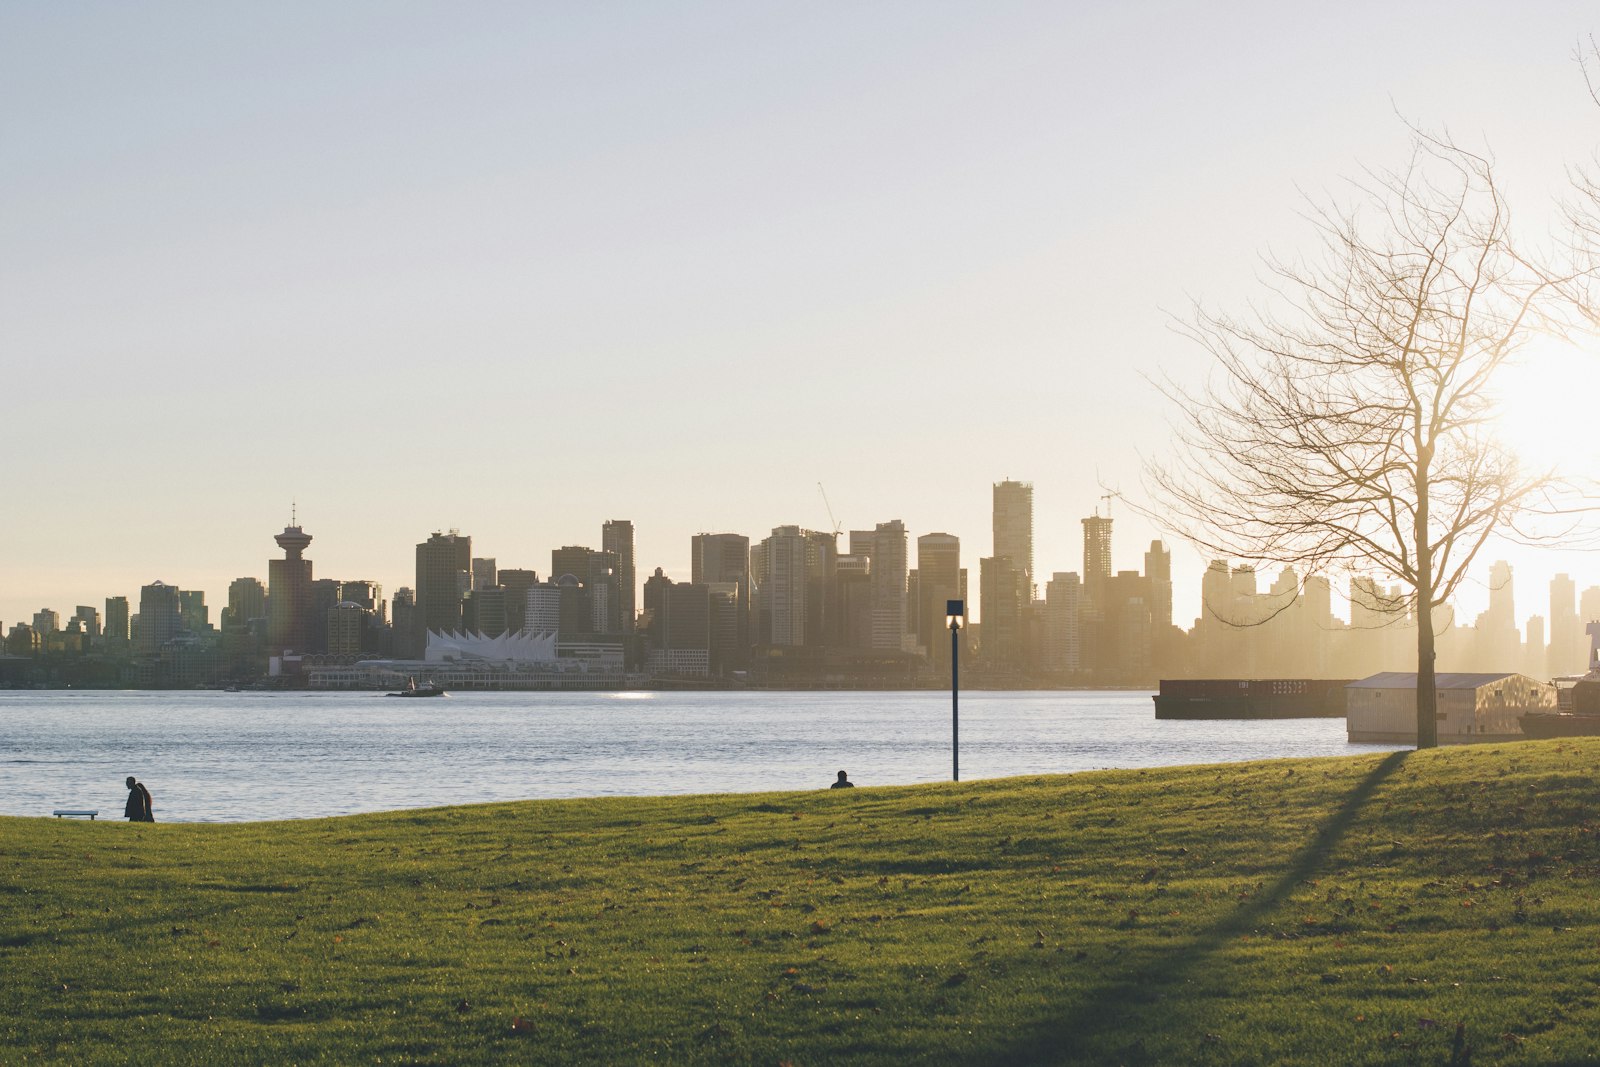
x=443, y=272
x=444, y=553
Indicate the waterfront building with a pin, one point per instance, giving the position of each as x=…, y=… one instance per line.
x=408, y=630
x=46, y=621
x=852, y=595
x=288, y=593
x=483, y=574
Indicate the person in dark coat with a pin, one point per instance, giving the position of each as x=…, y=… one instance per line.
x=138, y=807
x=844, y=782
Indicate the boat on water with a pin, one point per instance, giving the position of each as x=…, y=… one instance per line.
x=1541, y=725
x=426, y=689
x=1577, y=711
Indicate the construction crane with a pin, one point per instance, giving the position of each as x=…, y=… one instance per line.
x=837, y=529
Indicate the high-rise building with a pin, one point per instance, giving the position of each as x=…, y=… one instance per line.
x=516, y=583
x=444, y=574
x=778, y=571
x=289, y=603
x=192, y=607
x=1062, y=596
x=717, y=559
x=596, y=572
x=247, y=599
x=483, y=574
x=1568, y=645
x=1013, y=527
x=89, y=619
x=889, y=586
x=1158, y=569
x=407, y=627
x=484, y=611
x=616, y=537
x=1003, y=589
x=116, y=622
x=542, y=610
x=852, y=597
x=679, y=637
x=46, y=621
x=367, y=594
x=347, y=628
x=159, y=617
x=938, y=581
x=1096, y=557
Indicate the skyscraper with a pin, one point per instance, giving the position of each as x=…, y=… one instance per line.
x=116, y=622
x=938, y=581
x=1096, y=557
x=1062, y=652
x=1568, y=644
x=159, y=618
x=247, y=599
x=779, y=577
x=616, y=537
x=719, y=559
x=444, y=570
x=1013, y=527
x=289, y=602
x=1158, y=569
x=1003, y=589
x=484, y=574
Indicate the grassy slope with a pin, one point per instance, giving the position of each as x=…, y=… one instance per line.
x=1307, y=911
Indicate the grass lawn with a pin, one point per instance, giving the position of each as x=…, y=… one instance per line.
x=1429, y=907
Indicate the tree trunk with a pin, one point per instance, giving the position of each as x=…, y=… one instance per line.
x=1427, y=690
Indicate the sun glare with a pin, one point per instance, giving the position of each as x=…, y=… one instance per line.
x=1546, y=406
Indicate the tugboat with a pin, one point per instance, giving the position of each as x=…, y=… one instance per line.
x=426, y=689
x=1577, y=699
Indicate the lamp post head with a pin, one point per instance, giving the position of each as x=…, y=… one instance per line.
x=955, y=613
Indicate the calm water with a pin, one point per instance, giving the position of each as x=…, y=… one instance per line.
x=236, y=756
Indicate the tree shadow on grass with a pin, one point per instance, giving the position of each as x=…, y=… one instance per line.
x=1120, y=1005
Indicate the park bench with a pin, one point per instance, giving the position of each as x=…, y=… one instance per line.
x=75, y=814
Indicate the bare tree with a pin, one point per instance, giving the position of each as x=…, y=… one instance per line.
x=1347, y=422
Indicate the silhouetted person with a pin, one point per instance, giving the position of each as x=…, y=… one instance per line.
x=138, y=808
x=844, y=782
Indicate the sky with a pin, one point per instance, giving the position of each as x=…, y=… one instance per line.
x=517, y=269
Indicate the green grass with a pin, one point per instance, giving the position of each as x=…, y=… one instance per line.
x=1416, y=908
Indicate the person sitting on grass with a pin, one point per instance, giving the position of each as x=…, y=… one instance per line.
x=844, y=782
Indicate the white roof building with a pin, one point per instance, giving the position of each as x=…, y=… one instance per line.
x=1472, y=707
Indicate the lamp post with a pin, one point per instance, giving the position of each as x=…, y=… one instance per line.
x=955, y=612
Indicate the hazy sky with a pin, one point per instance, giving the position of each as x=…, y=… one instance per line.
x=521, y=268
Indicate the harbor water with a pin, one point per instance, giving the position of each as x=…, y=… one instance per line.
x=213, y=756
